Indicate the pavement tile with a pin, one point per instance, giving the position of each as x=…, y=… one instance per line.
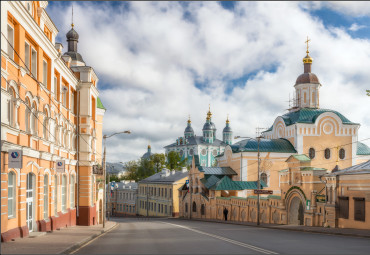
x=56, y=242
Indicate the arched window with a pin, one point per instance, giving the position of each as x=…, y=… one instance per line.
x=64, y=193
x=72, y=191
x=55, y=195
x=342, y=153
x=34, y=119
x=46, y=125
x=264, y=178
x=12, y=107
x=11, y=194
x=28, y=115
x=311, y=153
x=194, y=207
x=56, y=133
x=202, y=210
x=327, y=153
x=46, y=196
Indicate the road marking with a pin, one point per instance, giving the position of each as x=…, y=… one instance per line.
x=255, y=248
x=94, y=239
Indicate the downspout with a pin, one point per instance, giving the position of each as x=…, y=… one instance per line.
x=78, y=151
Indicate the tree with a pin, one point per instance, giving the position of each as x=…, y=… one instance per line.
x=368, y=92
x=158, y=160
x=132, y=170
x=174, y=161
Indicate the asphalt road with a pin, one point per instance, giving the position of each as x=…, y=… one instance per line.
x=171, y=236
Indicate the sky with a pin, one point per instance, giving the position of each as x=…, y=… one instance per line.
x=159, y=62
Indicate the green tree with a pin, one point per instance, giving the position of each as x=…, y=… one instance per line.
x=132, y=170
x=368, y=92
x=174, y=161
x=159, y=160
x=146, y=168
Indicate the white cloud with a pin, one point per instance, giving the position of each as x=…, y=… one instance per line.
x=151, y=57
x=354, y=27
x=352, y=8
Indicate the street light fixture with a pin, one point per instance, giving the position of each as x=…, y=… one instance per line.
x=104, y=171
x=258, y=173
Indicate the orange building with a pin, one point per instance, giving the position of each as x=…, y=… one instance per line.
x=50, y=111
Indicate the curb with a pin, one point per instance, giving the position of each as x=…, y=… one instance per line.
x=281, y=228
x=86, y=240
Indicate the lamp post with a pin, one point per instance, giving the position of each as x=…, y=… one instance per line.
x=258, y=173
x=104, y=171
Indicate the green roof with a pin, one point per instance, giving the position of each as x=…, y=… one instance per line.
x=99, y=104
x=301, y=157
x=362, y=149
x=309, y=168
x=209, y=182
x=217, y=170
x=309, y=115
x=280, y=145
x=227, y=184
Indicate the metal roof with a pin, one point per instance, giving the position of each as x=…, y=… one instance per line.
x=227, y=184
x=209, y=182
x=217, y=170
x=309, y=115
x=301, y=157
x=363, y=168
x=161, y=178
x=99, y=104
x=280, y=145
x=362, y=149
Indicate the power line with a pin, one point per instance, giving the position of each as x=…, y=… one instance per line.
x=38, y=82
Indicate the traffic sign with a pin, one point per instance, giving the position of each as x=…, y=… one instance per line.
x=262, y=191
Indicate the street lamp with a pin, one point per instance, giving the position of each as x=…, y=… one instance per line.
x=104, y=170
x=258, y=173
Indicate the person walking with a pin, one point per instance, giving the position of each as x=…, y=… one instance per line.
x=225, y=213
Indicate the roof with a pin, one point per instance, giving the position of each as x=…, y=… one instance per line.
x=212, y=180
x=301, y=157
x=217, y=170
x=173, y=176
x=309, y=168
x=309, y=115
x=266, y=145
x=198, y=140
x=363, y=168
x=75, y=56
x=362, y=149
x=99, y=104
x=307, y=78
x=225, y=183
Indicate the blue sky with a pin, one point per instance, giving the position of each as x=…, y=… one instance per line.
x=158, y=62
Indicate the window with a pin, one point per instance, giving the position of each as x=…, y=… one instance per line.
x=311, y=153
x=11, y=194
x=45, y=124
x=28, y=115
x=34, y=63
x=27, y=51
x=34, y=119
x=55, y=88
x=92, y=190
x=202, y=210
x=327, y=153
x=72, y=191
x=264, y=178
x=165, y=209
x=46, y=196
x=342, y=153
x=194, y=207
x=45, y=73
x=165, y=193
x=64, y=96
x=359, y=208
x=64, y=193
x=11, y=41
x=343, y=207
x=12, y=107
x=73, y=102
x=55, y=195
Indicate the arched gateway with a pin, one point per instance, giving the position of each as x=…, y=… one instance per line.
x=296, y=211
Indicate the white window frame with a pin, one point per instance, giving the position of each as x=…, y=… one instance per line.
x=55, y=87
x=10, y=31
x=72, y=191
x=64, y=193
x=11, y=194
x=56, y=195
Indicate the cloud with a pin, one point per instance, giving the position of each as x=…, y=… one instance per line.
x=158, y=62
x=352, y=8
x=354, y=27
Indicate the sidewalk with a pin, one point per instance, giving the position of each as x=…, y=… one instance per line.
x=59, y=241
x=332, y=231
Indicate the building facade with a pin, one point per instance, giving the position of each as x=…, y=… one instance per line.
x=49, y=112
x=123, y=198
x=159, y=195
x=207, y=147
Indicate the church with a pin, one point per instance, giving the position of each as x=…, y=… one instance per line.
x=206, y=147
x=297, y=155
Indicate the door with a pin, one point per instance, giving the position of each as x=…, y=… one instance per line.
x=29, y=201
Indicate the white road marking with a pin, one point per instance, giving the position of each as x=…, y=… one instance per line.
x=255, y=248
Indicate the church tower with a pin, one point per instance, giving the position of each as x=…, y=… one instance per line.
x=307, y=86
x=209, y=129
x=227, y=133
x=189, y=132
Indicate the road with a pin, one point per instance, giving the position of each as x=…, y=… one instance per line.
x=175, y=236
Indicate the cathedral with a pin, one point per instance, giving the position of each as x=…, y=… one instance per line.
x=207, y=147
